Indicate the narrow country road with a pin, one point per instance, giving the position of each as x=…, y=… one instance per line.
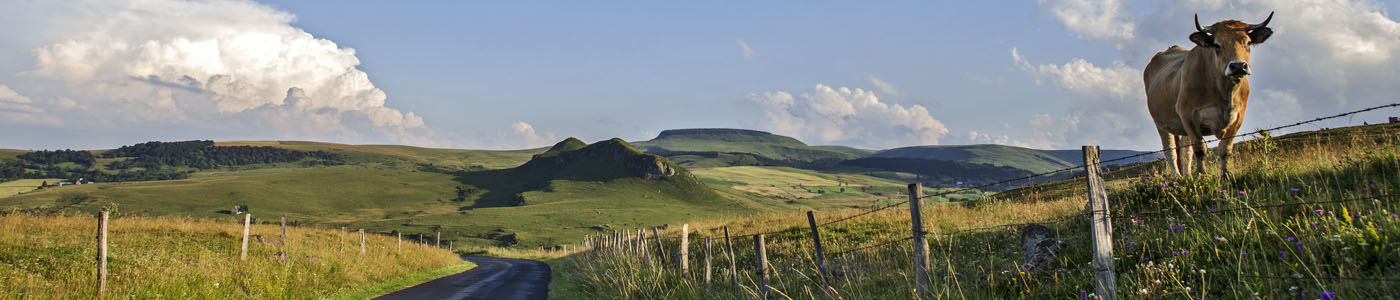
x=493, y=278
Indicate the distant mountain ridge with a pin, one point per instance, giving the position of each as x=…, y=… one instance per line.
x=1033, y=160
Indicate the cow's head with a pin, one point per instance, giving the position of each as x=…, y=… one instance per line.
x=1231, y=41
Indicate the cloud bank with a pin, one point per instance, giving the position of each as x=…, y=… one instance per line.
x=237, y=68
x=827, y=115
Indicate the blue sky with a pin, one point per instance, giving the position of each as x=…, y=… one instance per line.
x=1043, y=74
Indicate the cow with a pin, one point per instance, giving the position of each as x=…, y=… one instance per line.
x=1202, y=91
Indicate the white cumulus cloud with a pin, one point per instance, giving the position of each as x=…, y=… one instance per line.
x=1108, y=106
x=1106, y=20
x=522, y=135
x=234, y=66
x=827, y=115
x=883, y=87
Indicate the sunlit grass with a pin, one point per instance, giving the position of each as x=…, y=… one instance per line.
x=53, y=257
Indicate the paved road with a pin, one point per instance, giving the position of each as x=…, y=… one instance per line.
x=493, y=278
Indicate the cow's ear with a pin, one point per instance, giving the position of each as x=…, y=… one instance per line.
x=1258, y=35
x=1203, y=39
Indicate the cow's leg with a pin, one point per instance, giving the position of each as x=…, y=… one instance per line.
x=1223, y=150
x=1169, y=149
x=1198, y=149
x=1183, y=154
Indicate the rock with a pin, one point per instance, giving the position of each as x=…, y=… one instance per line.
x=1039, y=247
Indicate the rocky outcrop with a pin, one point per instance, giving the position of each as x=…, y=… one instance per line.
x=614, y=152
x=1039, y=247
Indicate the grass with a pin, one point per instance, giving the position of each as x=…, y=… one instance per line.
x=51, y=257
x=16, y=187
x=1175, y=237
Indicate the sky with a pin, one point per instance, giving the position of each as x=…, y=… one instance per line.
x=1048, y=74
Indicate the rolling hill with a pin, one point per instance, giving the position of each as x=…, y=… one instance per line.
x=1032, y=160
x=715, y=147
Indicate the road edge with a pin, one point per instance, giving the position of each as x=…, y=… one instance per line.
x=402, y=282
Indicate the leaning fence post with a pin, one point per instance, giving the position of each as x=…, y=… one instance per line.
x=362, y=241
x=733, y=266
x=102, y=254
x=921, y=264
x=821, y=258
x=660, y=250
x=707, y=263
x=760, y=266
x=247, y=220
x=1104, y=281
x=685, y=250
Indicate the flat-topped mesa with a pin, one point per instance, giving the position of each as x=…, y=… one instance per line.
x=728, y=135
x=614, y=152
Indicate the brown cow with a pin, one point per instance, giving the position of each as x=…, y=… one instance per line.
x=1203, y=91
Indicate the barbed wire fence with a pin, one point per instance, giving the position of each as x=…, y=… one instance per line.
x=760, y=273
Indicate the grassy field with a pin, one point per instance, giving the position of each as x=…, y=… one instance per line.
x=51, y=257
x=824, y=190
x=1260, y=234
x=15, y=187
x=406, y=156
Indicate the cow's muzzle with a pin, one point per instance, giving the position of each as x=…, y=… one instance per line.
x=1237, y=69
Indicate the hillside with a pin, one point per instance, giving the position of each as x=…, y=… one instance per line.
x=715, y=147
x=558, y=195
x=1031, y=160
x=1306, y=215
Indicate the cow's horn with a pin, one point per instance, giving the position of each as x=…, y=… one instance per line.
x=1265, y=24
x=1198, y=23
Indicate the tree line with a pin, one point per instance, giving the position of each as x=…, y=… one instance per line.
x=153, y=161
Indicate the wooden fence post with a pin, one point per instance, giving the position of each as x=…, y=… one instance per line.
x=247, y=221
x=399, y=248
x=761, y=266
x=643, y=248
x=660, y=250
x=821, y=257
x=283, y=248
x=707, y=263
x=449, y=247
x=437, y=241
x=102, y=254
x=342, y=239
x=685, y=251
x=362, y=241
x=1104, y=280
x=921, y=264
x=733, y=266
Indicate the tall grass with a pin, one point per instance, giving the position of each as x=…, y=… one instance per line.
x=53, y=257
x=1174, y=237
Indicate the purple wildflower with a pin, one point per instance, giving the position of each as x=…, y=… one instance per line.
x=1219, y=239
x=1083, y=294
x=1242, y=253
x=1296, y=275
x=1290, y=239
x=1299, y=244
x=1241, y=193
x=1164, y=185
x=1328, y=295
x=1319, y=211
x=1295, y=190
x=1393, y=215
x=1222, y=192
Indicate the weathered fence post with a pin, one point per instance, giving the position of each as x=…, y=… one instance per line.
x=437, y=241
x=685, y=250
x=921, y=264
x=247, y=221
x=707, y=263
x=1104, y=281
x=282, y=249
x=821, y=257
x=399, y=248
x=362, y=241
x=660, y=250
x=102, y=254
x=449, y=247
x=733, y=266
x=761, y=266
x=341, y=244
